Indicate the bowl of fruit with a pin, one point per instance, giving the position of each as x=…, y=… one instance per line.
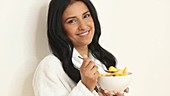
x=115, y=79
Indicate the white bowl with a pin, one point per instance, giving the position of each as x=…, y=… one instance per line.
x=111, y=83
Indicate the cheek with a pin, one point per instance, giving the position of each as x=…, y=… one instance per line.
x=93, y=27
x=70, y=30
x=92, y=24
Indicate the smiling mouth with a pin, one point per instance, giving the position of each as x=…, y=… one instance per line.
x=82, y=34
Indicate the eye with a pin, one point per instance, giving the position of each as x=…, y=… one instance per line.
x=87, y=15
x=72, y=21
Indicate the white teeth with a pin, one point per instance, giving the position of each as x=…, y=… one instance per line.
x=83, y=34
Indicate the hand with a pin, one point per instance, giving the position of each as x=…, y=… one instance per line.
x=89, y=73
x=116, y=93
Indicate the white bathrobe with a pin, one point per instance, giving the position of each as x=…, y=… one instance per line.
x=51, y=80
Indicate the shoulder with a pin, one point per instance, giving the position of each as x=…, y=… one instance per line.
x=50, y=63
x=50, y=59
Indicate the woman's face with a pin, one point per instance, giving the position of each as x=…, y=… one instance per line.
x=78, y=24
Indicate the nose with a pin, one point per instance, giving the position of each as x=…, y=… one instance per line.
x=82, y=25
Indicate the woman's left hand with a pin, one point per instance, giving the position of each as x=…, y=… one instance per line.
x=116, y=93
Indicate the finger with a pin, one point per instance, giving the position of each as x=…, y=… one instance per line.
x=85, y=62
x=93, y=74
x=91, y=65
x=126, y=90
x=104, y=92
x=117, y=93
x=96, y=74
x=108, y=93
x=94, y=70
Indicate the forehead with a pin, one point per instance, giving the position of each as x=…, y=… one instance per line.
x=75, y=8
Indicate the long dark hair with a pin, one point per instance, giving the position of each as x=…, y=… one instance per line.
x=61, y=45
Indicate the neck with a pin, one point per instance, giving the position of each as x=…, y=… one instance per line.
x=82, y=50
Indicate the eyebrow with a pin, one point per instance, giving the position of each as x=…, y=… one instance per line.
x=75, y=16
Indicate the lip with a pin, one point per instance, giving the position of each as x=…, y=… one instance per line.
x=84, y=33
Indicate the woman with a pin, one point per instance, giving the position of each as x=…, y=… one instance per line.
x=77, y=57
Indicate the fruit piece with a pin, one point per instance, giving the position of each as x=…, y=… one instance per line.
x=100, y=74
x=110, y=74
x=116, y=72
x=111, y=68
x=125, y=71
x=119, y=73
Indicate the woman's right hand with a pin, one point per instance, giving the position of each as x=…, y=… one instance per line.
x=89, y=73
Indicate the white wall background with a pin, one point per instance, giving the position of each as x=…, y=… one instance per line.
x=137, y=32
